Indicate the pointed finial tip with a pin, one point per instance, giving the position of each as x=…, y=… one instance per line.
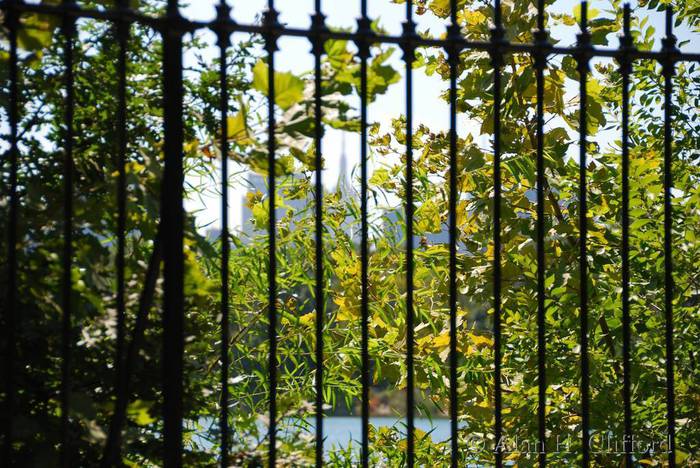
x=626, y=19
x=669, y=19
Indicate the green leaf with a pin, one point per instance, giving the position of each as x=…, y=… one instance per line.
x=428, y=218
x=592, y=13
x=139, y=413
x=600, y=28
x=289, y=89
x=260, y=215
x=379, y=177
x=238, y=130
x=37, y=32
x=350, y=125
x=570, y=67
x=379, y=75
x=337, y=53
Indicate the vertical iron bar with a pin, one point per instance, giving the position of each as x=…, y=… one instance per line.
x=669, y=47
x=583, y=43
x=224, y=17
x=453, y=35
x=364, y=31
x=113, y=445
x=318, y=40
x=541, y=52
x=272, y=24
x=122, y=30
x=409, y=33
x=497, y=38
x=12, y=23
x=69, y=82
x=626, y=44
x=172, y=215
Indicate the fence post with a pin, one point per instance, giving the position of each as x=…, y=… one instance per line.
x=10, y=314
x=317, y=46
x=540, y=56
x=454, y=37
x=364, y=34
x=172, y=216
x=69, y=32
x=496, y=52
x=669, y=68
x=583, y=57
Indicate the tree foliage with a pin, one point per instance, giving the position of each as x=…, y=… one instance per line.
x=37, y=422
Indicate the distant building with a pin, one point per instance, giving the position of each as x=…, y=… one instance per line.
x=393, y=219
x=258, y=183
x=344, y=186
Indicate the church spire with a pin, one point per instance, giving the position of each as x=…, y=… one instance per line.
x=343, y=174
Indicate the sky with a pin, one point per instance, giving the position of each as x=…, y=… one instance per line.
x=294, y=55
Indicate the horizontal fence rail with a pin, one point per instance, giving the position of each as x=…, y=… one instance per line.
x=170, y=239
x=231, y=26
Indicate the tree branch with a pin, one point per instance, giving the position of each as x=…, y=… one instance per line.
x=125, y=369
x=607, y=337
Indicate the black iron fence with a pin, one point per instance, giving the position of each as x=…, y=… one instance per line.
x=173, y=27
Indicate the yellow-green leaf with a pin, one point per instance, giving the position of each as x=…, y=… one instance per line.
x=139, y=412
x=592, y=13
x=238, y=128
x=289, y=89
